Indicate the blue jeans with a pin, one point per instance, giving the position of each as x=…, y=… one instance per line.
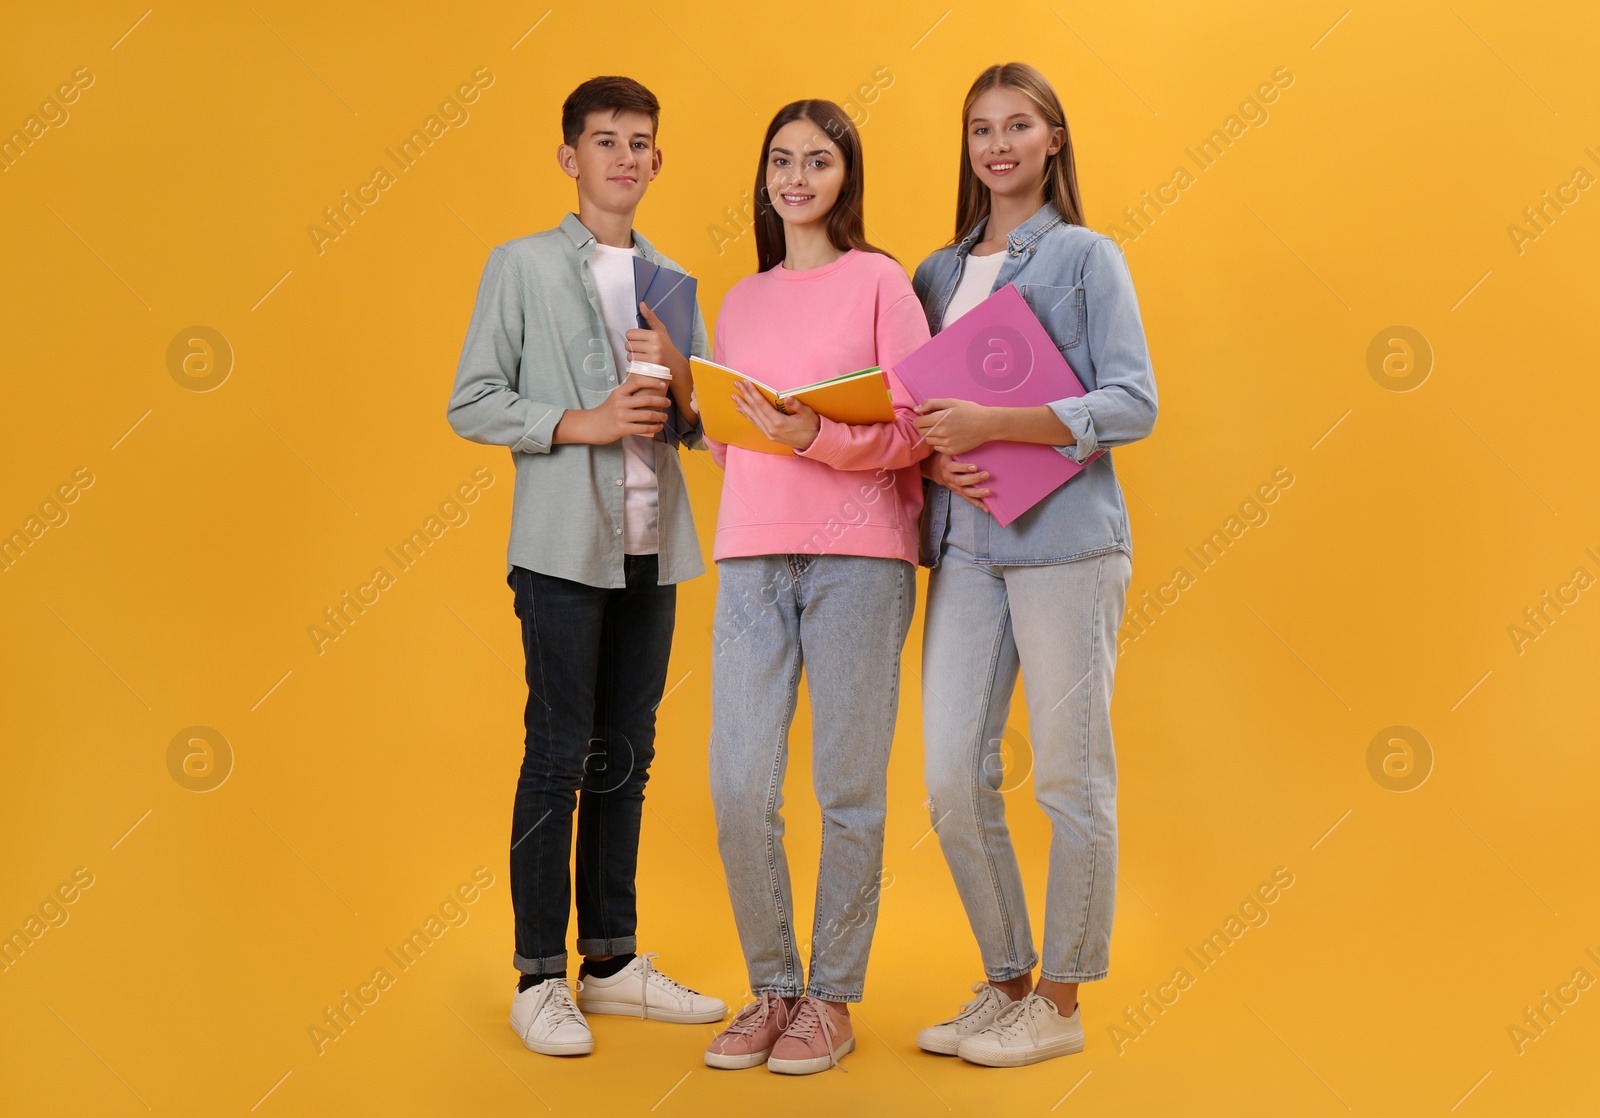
x=1057, y=622
x=843, y=618
x=596, y=667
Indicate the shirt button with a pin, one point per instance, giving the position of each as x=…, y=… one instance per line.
x=619, y=481
x=619, y=531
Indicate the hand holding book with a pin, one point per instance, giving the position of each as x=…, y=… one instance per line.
x=728, y=406
x=652, y=343
x=955, y=426
x=984, y=386
x=789, y=421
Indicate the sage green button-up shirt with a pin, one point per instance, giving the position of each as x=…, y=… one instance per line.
x=536, y=347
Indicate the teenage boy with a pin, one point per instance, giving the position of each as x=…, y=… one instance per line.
x=601, y=533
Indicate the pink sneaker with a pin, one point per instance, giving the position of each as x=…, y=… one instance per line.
x=749, y=1037
x=815, y=1039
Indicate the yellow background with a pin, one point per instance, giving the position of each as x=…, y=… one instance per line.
x=370, y=780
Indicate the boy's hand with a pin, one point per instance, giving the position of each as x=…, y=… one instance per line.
x=797, y=429
x=637, y=406
x=962, y=478
x=655, y=343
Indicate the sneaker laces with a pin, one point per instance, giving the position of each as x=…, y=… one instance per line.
x=753, y=1016
x=969, y=1008
x=649, y=974
x=559, y=1009
x=809, y=1016
x=1018, y=1017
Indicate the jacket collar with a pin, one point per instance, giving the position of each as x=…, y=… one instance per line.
x=1023, y=236
x=578, y=234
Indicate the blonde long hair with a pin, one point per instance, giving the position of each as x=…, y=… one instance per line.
x=1060, y=169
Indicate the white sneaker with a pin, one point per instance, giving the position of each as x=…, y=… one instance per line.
x=945, y=1038
x=549, y=1022
x=639, y=990
x=1025, y=1032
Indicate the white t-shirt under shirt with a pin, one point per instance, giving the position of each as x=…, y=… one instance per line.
x=613, y=279
x=977, y=283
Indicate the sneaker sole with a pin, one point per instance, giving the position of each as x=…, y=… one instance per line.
x=1019, y=1057
x=814, y=1064
x=937, y=1045
x=729, y=1061
x=570, y=1048
x=654, y=1013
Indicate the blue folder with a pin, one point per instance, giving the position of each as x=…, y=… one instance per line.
x=670, y=294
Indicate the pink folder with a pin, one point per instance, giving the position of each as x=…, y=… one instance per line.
x=997, y=354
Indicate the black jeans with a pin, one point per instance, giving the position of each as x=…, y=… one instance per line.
x=596, y=667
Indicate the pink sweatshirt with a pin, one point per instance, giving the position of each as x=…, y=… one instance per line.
x=857, y=489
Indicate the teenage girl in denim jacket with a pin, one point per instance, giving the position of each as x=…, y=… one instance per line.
x=1043, y=595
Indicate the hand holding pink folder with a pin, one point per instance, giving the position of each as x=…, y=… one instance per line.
x=998, y=355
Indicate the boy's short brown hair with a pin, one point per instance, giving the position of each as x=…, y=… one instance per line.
x=606, y=95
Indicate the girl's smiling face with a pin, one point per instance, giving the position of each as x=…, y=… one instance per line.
x=805, y=173
x=1008, y=141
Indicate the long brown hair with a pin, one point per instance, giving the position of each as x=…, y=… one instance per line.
x=1060, y=169
x=846, y=221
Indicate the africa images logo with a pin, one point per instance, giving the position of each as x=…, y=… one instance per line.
x=999, y=359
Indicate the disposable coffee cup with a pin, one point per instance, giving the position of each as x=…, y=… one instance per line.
x=654, y=372
x=650, y=369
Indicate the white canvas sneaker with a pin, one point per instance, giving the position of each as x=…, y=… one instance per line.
x=1025, y=1032
x=945, y=1038
x=549, y=1022
x=639, y=990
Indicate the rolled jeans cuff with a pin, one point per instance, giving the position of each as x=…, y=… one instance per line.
x=620, y=945
x=1009, y=974
x=549, y=965
x=828, y=995
x=1082, y=976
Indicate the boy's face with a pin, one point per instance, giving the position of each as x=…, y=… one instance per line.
x=614, y=160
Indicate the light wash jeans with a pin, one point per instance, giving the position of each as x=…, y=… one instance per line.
x=1058, y=623
x=844, y=619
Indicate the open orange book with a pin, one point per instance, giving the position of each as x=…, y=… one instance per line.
x=858, y=397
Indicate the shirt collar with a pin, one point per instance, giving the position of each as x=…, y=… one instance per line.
x=1021, y=237
x=578, y=233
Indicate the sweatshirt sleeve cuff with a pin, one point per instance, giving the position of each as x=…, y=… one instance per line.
x=1074, y=413
x=828, y=443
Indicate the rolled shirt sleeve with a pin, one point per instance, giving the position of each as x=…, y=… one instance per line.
x=1122, y=407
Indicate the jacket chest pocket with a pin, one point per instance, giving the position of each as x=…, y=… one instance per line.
x=1060, y=310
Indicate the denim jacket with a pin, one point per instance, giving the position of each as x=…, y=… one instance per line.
x=1077, y=283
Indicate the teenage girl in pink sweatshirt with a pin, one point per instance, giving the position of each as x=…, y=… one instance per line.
x=816, y=556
